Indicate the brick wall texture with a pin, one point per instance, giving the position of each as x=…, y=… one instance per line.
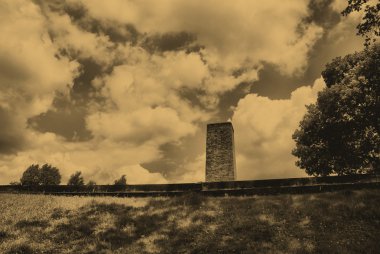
x=220, y=153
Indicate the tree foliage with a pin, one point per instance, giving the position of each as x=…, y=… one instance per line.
x=31, y=175
x=369, y=27
x=76, y=179
x=49, y=175
x=341, y=132
x=45, y=175
x=121, y=181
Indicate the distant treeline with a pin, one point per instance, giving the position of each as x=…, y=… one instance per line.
x=48, y=175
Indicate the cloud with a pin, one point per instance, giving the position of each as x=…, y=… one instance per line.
x=193, y=171
x=146, y=125
x=144, y=101
x=263, y=133
x=235, y=34
x=102, y=161
x=153, y=74
x=79, y=43
x=31, y=70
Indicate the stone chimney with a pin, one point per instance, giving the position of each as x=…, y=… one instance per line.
x=220, y=153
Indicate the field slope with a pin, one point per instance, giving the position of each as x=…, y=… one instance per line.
x=338, y=222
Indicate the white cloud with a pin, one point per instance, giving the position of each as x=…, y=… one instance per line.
x=80, y=43
x=144, y=98
x=263, y=133
x=30, y=69
x=102, y=161
x=144, y=107
x=146, y=125
x=192, y=171
x=236, y=34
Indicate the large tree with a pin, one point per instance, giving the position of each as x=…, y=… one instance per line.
x=340, y=133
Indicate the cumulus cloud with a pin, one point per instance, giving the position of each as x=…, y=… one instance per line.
x=263, y=133
x=102, y=161
x=235, y=34
x=146, y=93
x=79, y=43
x=144, y=99
x=193, y=171
x=31, y=70
x=146, y=125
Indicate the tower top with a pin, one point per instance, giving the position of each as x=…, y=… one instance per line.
x=218, y=125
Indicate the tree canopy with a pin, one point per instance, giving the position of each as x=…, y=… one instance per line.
x=31, y=175
x=76, y=179
x=49, y=175
x=340, y=133
x=369, y=27
x=45, y=175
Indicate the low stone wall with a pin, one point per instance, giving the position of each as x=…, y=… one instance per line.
x=254, y=187
x=291, y=182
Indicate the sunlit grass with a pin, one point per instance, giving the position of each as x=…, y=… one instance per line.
x=340, y=222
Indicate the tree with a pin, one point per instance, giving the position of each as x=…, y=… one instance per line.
x=45, y=175
x=76, y=179
x=340, y=134
x=31, y=175
x=91, y=183
x=121, y=181
x=370, y=24
x=49, y=175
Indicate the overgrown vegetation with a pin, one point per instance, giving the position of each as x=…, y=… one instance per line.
x=340, y=222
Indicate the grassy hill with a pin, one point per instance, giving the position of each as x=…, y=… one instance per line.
x=338, y=222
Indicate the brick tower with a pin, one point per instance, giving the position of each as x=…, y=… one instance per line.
x=220, y=153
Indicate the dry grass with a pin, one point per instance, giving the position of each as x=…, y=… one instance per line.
x=340, y=222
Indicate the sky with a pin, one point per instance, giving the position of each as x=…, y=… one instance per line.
x=127, y=87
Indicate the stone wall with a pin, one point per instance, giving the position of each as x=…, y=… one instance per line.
x=220, y=153
x=235, y=188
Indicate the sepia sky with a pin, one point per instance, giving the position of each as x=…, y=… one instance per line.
x=127, y=86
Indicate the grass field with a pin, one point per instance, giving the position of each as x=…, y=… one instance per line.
x=339, y=222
